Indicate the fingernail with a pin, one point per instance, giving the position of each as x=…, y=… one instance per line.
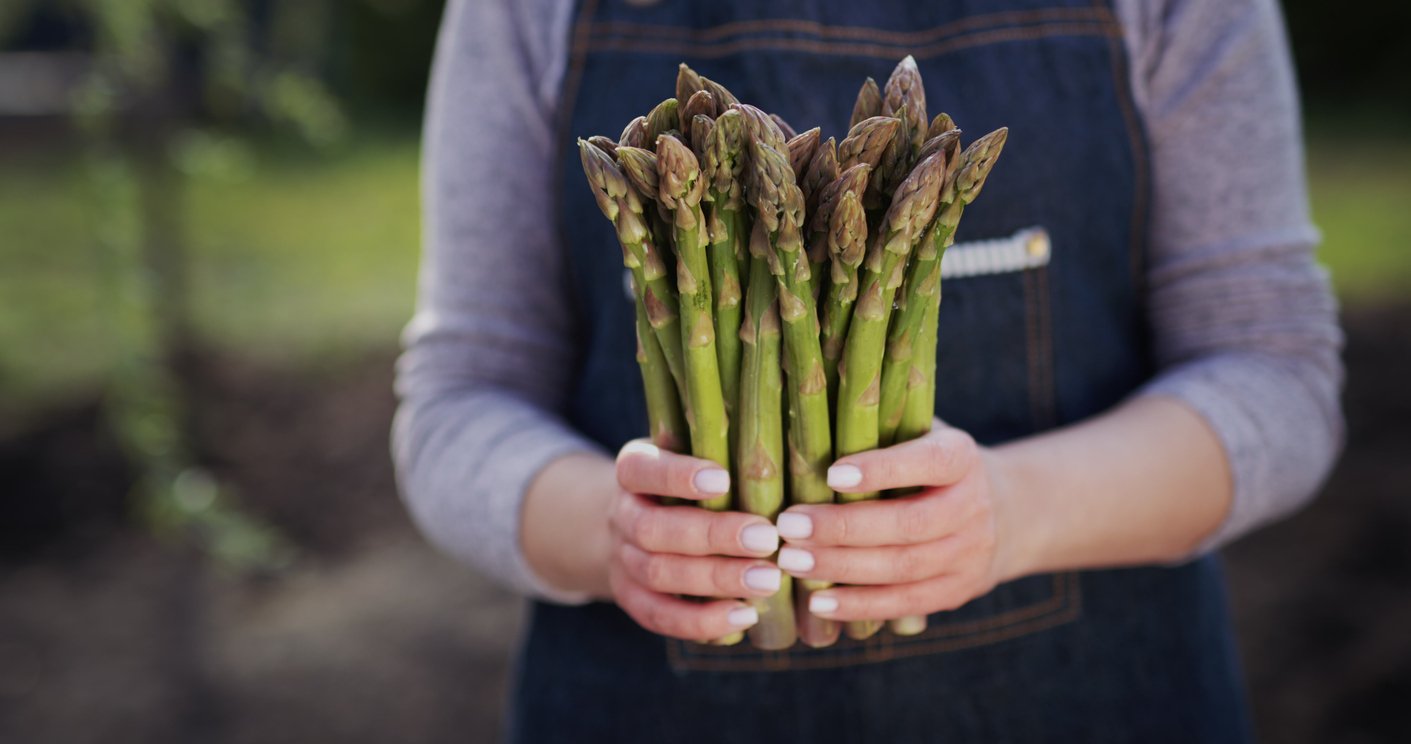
x=742, y=617
x=844, y=476
x=712, y=480
x=760, y=538
x=822, y=604
x=794, y=526
x=763, y=578
x=794, y=560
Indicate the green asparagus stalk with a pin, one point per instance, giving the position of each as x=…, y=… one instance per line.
x=723, y=170
x=779, y=209
x=779, y=213
x=970, y=172
x=723, y=97
x=905, y=222
x=822, y=169
x=760, y=445
x=840, y=224
x=869, y=103
x=680, y=187
x=762, y=127
x=665, y=417
x=640, y=169
x=701, y=128
x=922, y=283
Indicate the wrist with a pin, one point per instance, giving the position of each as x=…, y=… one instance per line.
x=564, y=526
x=1019, y=525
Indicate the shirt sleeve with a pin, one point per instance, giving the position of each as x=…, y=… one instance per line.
x=1244, y=323
x=484, y=374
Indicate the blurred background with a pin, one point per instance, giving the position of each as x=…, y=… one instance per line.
x=208, y=244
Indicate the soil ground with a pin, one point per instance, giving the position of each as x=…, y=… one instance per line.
x=108, y=634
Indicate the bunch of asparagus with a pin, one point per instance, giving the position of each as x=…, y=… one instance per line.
x=787, y=290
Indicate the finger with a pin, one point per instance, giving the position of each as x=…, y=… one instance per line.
x=643, y=467
x=946, y=592
x=929, y=515
x=940, y=458
x=679, y=618
x=699, y=576
x=690, y=530
x=891, y=565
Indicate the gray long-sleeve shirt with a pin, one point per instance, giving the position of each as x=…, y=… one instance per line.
x=1242, y=319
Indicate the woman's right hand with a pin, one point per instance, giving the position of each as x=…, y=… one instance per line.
x=658, y=552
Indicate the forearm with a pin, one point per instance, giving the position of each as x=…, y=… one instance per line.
x=1144, y=483
x=564, y=523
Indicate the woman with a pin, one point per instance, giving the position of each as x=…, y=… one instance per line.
x=1166, y=382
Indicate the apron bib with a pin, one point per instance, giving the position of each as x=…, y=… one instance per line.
x=1025, y=345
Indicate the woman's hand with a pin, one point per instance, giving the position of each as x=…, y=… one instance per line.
x=657, y=552
x=931, y=551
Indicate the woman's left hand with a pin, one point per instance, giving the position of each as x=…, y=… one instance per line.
x=931, y=551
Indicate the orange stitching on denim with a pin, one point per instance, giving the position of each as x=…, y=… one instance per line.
x=978, y=38
x=1064, y=605
x=1068, y=593
x=1122, y=80
x=797, y=25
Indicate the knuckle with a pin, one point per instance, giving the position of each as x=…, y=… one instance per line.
x=722, y=533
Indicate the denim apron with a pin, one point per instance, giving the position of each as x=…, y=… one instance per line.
x=1096, y=656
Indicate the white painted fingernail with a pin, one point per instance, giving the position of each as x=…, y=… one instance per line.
x=822, y=604
x=742, y=617
x=844, y=476
x=794, y=526
x=712, y=480
x=794, y=560
x=763, y=578
x=760, y=538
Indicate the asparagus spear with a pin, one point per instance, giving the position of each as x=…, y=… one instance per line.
x=762, y=127
x=760, y=445
x=922, y=281
x=665, y=417
x=779, y=209
x=841, y=226
x=800, y=149
x=911, y=211
x=687, y=82
x=822, y=169
x=905, y=99
x=663, y=118
x=621, y=204
x=789, y=132
x=723, y=97
x=918, y=411
x=869, y=103
x=916, y=420
x=635, y=133
x=701, y=128
x=700, y=103
x=867, y=140
x=722, y=170
x=680, y=187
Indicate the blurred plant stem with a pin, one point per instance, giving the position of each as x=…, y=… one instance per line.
x=160, y=71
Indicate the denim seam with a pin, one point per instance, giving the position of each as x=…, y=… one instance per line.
x=725, y=31
x=1099, y=29
x=1065, y=605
